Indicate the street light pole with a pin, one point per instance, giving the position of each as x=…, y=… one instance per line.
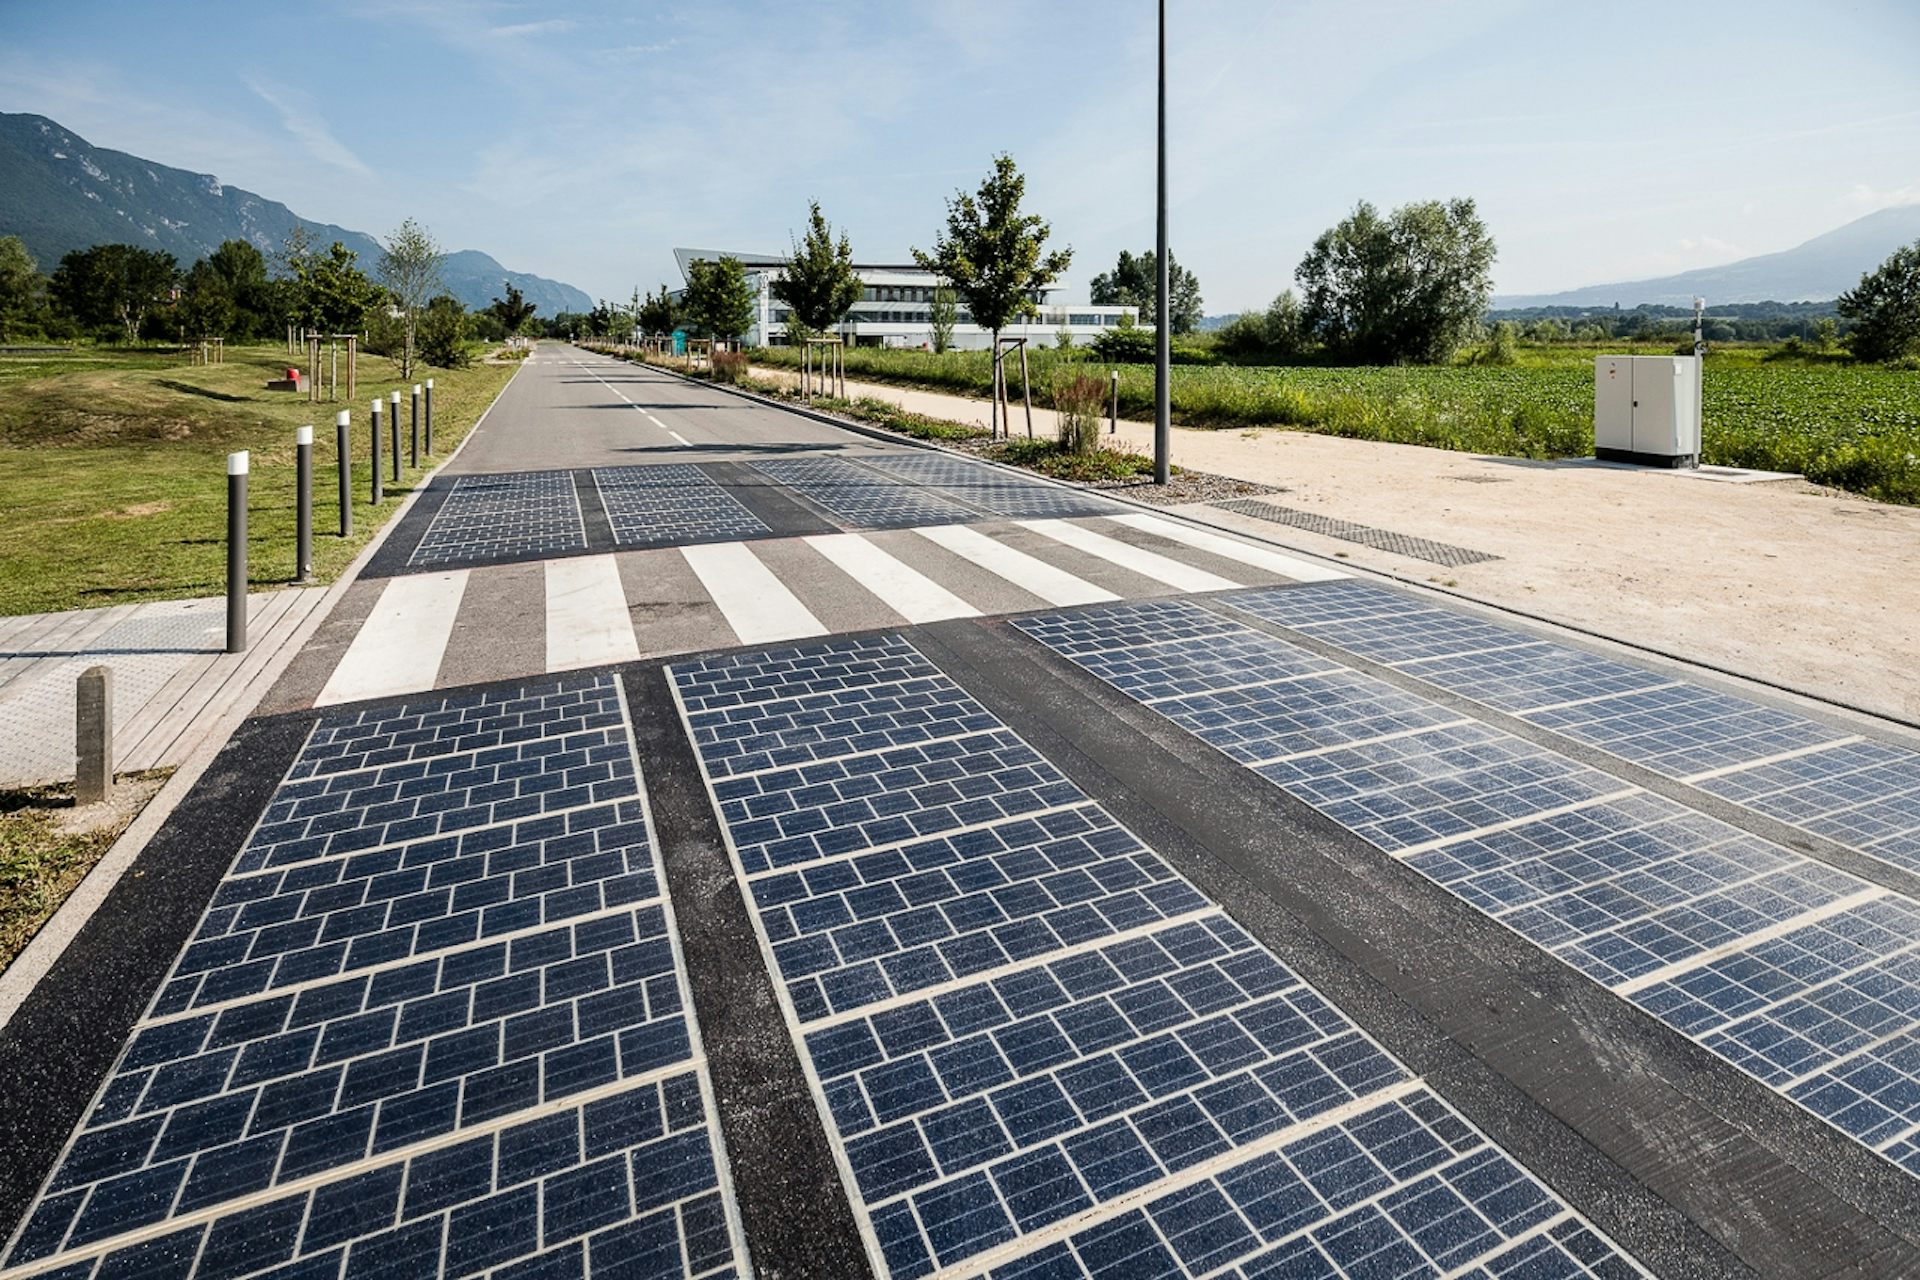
x=1162, y=337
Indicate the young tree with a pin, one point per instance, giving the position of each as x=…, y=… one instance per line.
x=992, y=254
x=513, y=311
x=113, y=284
x=443, y=333
x=1885, y=308
x=332, y=294
x=20, y=283
x=1405, y=288
x=657, y=314
x=718, y=301
x=819, y=285
x=1135, y=282
x=206, y=307
x=1285, y=332
x=942, y=315
x=241, y=271
x=410, y=270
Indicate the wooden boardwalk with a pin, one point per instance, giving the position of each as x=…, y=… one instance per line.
x=173, y=682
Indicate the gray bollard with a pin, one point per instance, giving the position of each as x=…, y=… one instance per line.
x=377, y=495
x=429, y=417
x=343, y=448
x=1113, y=414
x=393, y=434
x=303, y=505
x=414, y=422
x=237, y=552
x=93, y=736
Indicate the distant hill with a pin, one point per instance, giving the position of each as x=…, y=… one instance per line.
x=58, y=192
x=1824, y=267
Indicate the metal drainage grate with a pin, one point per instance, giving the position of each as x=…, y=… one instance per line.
x=1399, y=544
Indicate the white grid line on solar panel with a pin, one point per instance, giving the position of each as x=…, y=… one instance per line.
x=347, y=914
x=1015, y=976
x=1304, y=713
x=1534, y=678
x=1684, y=729
x=807, y=766
x=504, y=515
x=674, y=500
x=956, y=833
x=1394, y=636
x=1869, y=925
x=787, y=675
x=1346, y=600
x=628, y=1167
x=861, y=498
x=913, y=715
x=980, y=486
x=1757, y=919
x=1131, y=625
x=1209, y=664
x=1695, y=779
x=1863, y=793
x=1136, y=1069
x=781, y=819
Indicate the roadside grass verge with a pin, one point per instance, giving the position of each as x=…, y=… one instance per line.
x=112, y=470
x=1856, y=427
x=47, y=847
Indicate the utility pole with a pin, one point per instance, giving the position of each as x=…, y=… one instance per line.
x=1162, y=336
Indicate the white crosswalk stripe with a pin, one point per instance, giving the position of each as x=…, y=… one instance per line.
x=1029, y=573
x=905, y=590
x=756, y=604
x=399, y=647
x=1150, y=564
x=1230, y=548
x=587, y=619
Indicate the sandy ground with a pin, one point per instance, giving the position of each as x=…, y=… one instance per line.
x=1782, y=582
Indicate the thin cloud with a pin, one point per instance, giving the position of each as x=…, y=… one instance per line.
x=302, y=119
x=546, y=26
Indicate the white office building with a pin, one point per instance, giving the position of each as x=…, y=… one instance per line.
x=893, y=309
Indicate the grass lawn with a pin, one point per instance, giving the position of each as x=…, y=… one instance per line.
x=47, y=847
x=113, y=470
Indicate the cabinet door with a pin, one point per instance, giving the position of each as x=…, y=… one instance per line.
x=1655, y=398
x=1613, y=402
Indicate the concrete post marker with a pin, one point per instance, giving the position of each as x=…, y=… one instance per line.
x=93, y=736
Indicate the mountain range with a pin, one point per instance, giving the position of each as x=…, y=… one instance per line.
x=59, y=192
x=1822, y=268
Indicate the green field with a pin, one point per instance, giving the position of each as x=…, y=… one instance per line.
x=113, y=473
x=1856, y=427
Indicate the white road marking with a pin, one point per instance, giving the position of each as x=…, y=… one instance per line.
x=1150, y=564
x=399, y=647
x=1230, y=548
x=905, y=590
x=1030, y=574
x=677, y=436
x=587, y=619
x=756, y=604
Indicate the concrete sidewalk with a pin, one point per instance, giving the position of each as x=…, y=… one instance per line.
x=1781, y=582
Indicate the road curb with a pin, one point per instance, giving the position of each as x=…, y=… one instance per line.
x=50, y=941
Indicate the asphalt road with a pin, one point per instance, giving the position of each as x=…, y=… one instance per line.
x=712, y=842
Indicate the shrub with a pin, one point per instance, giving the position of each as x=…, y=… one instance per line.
x=1129, y=344
x=729, y=366
x=1077, y=400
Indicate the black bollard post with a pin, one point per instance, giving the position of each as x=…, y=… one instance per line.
x=303, y=506
x=429, y=417
x=343, y=448
x=237, y=552
x=414, y=422
x=393, y=434
x=377, y=494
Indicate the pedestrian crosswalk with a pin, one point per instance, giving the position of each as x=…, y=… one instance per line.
x=623, y=606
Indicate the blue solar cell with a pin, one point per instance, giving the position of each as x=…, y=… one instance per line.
x=670, y=504
x=500, y=517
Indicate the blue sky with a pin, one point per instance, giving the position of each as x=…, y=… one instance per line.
x=584, y=141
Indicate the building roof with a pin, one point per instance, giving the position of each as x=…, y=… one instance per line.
x=685, y=258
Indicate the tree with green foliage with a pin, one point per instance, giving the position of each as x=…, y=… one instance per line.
x=1406, y=288
x=443, y=333
x=206, y=308
x=20, y=284
x=993, y=255
x=410, y=270
x=1885, y=308
x=513, y=312
x=942, y=315
x=818, y=284
x=1135, y=282
x=657, y=314
x=113, y=285
x=241, y=270
x=718, y=302
x=331, y=293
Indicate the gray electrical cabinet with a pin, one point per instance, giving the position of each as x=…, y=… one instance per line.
x=1646, y=409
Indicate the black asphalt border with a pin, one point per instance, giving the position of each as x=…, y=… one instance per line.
x=57, y=1048
x=1693, y=1166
